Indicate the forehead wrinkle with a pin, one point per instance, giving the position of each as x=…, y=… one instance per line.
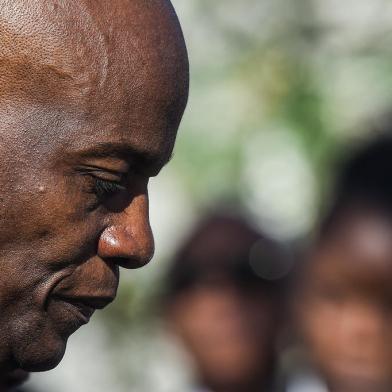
x=36, y=39
x=22, y=78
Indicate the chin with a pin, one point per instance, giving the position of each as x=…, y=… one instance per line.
x=40, y=338
x=40, y=354
x=349, y=379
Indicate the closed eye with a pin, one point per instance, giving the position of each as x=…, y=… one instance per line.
x=105, y=189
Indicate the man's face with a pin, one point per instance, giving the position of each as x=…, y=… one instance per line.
x=88, y=114
x=345, y=306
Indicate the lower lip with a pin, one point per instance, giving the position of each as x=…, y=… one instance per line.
x=81, y=312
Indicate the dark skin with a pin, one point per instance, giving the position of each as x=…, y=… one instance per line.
x=91, y=97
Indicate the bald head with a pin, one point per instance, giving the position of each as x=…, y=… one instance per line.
x=78, y=48
x=91, y=96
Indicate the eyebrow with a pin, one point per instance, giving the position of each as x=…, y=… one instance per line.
x=146, y=162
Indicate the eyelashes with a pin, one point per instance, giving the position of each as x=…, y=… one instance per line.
x=105, y=189
x=101, y=186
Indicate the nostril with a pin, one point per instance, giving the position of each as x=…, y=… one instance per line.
x=130, y=262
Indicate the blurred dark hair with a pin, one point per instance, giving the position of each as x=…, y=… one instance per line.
x=224, y=247
x=365, y=179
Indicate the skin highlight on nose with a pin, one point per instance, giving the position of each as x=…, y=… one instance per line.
x=127, y=250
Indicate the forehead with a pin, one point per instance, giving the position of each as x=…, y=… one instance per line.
x=93, y=71
x=358, y=253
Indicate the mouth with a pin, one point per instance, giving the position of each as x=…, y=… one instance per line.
x=358, y=369
x=83, y=307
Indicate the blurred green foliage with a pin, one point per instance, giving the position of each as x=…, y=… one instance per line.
x=306, y=76
x=258, y=66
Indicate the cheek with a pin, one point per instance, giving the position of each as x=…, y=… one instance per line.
x=336, y=333
x=28, y=268
x=41, y=244
x=44, y=227
x=52, y=214
x=317, y=320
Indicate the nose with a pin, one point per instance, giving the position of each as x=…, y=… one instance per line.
x=128, y=239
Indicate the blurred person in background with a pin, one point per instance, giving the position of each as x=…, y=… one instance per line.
x=344, y=291
x=224, y=309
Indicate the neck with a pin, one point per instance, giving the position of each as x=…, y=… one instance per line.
x=13, y=379
x=7, y=365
